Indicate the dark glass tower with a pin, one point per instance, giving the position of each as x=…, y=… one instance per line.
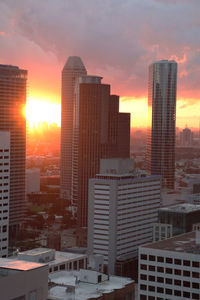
x=160, y=158
x=100, y=131
x=12, y=104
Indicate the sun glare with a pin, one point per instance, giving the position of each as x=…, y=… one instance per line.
x=38, y=112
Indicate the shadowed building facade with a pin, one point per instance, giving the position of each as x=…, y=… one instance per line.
x=73, y=68
x=100, y=131
x=12, y=105
x=160, y=158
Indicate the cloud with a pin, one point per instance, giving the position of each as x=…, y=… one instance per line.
x=117, y=39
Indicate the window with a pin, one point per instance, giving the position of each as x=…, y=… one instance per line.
x=152, y=268
x=177, y=262
x=168, y=271
x=143, y=267
x=151, y=258
x=195, y=296
x=143, y=256
x=186, y=295
x=177, y=272
x=143, y=287
x=195, y=285
x=151, y=278
x=143, y=297
x=4, y=228
x=160, y=290
x=195, y=274
x=169, y=260
x=186, y=273
x=186, y=263
x=55, y=268
x=177, y=282
x=62, y=267
x=160, y=259
x=168, y=291
x=151, y=288
x=168, y=280
x=160, y=269
x=195, y=264
x=160, y=279
x=143, y=277
x=186, y=283
x=177, y=293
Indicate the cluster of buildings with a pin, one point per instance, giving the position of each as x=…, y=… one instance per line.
x=118, y=205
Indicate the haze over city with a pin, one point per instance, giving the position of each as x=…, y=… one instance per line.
x=116, y=40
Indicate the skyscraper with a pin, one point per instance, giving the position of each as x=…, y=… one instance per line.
x=162, y=121
x=4, y=190
x=72, y=69
x=12, y=104
x=98, y=133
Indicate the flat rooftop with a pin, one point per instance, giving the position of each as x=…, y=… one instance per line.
x=181, y=208
x=83, y=290
x=181, y=243
x=18, y=265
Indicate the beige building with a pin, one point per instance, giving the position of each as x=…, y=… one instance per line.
x=22, y=280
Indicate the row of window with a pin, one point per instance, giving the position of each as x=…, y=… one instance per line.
x=169, y=292
x=170, y=271
x=178, y=282
x=70, y=266
x=169, y=260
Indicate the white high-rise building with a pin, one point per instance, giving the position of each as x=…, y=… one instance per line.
x=73, y=68
x=4, y=191
x=122, y=206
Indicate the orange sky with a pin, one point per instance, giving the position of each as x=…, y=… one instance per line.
x=40, y=37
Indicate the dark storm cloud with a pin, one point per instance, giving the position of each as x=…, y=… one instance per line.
x=116, y=38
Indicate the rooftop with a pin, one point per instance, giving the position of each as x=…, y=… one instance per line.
x=18, y=265
x=181, y=243
x=82, y=290
x=181, y=208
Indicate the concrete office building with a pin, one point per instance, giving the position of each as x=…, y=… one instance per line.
x=4, y=191
x=32, y=180
x=100, y=131
x=170, y=269
x=73, y=68
x=123, y=205
x=160, y=157
x=22, y=280
x=12, y=118
x=186, y=138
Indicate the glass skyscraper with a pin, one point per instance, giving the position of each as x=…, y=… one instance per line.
x=160, y=158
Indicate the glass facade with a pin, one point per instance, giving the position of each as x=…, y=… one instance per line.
x=160, y=159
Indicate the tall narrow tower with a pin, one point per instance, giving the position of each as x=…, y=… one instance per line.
x=12, y=103
x=162, y=121
x=73, y=68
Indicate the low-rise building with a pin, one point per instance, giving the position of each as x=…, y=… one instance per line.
x=170, y=269
x=56, y=260
x=181, y=217
x=23, y=280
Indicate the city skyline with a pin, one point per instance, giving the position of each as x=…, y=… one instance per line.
x=118, y=52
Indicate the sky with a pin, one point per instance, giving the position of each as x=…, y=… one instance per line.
x=116, y=39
